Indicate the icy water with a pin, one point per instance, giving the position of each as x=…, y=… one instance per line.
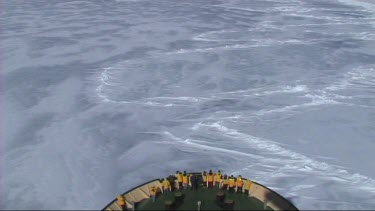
x=99, y=96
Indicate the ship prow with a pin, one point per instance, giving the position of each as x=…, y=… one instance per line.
x=156, y=195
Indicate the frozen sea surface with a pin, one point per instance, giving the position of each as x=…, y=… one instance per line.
x=99, y=96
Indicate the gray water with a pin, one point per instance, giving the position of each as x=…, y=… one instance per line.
x=99, y=96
